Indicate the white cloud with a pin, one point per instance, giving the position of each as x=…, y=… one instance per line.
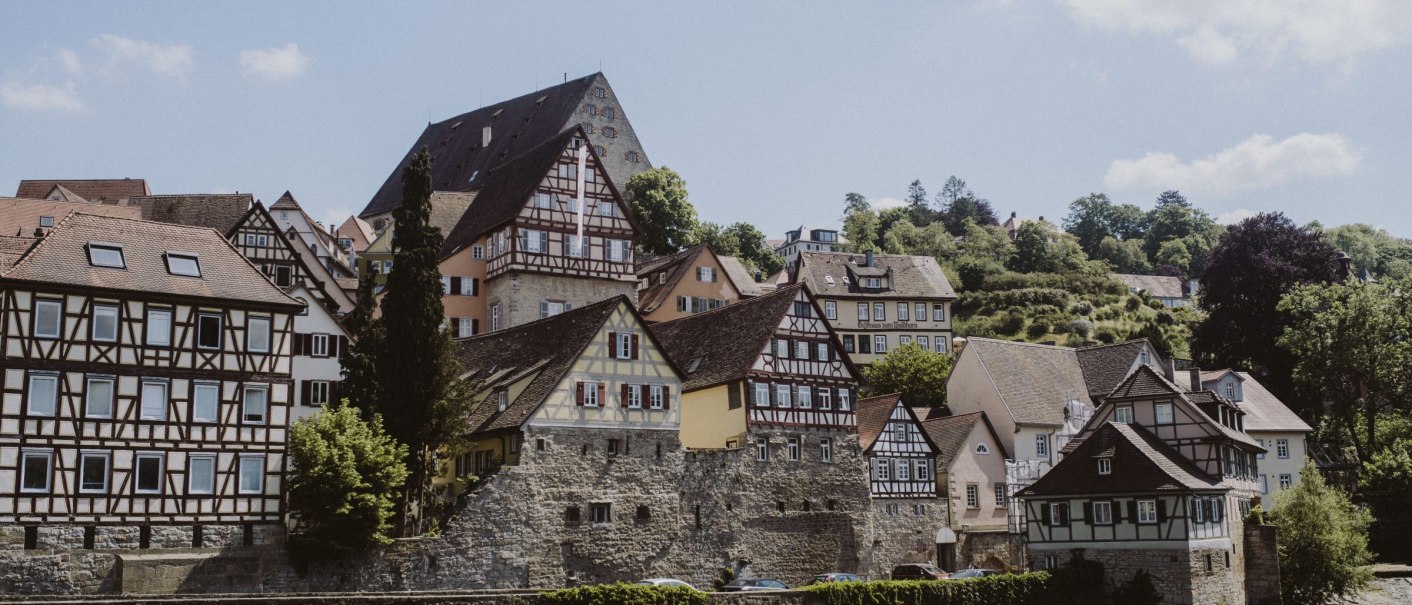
x=1217, y=31
x=275, y=64
x=40, y=97
x=68, y=60
x=170, y=60
x=1259, y=162
x=1234, y=216
x=883, y=203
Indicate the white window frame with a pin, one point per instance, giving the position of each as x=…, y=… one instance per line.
x=181, y=258
x=590, y=395
x=107, y=248
x=318, y=392
x=973, y=496
x=831, y=310
x=1286, y=481
x=879, y=311
x=880, y=344
x=262, y=404
x=208, y=486
x=1282, y=449
x=1102, y=512
x=84, y=458
x=1054, y=513
x=255, y=327
x=1146, y=512
x=656, y=397
x=1041, y=446
x=862, y=312
x=904, y=311
x=220, y=328
x=899, y=432
x=804, y=399
x=88, y=392
x=792, y=449
x=600, y=509
x=1000, y=497
x=782, y=395
x=531, y=240
x=49, y=408
x=938, y=312
x=318, y=345
x=163, y=337
x=782, y=348
x=904, y=470
x=919, y=312
x=924, y=469
x=826, y=450
x=762, y=394
x=109, y=312
x=145, y=409
x=23, y=471
x=634, y=396
x=57, y=324
x=882, y=467
x=801, y=349
x=1105, y=466
x=199, y=391
x=246, y=465
x=844, y=404
x=623, y=348
x=762, y=449
x=1163, y=413
x=137, y=472
x=1123, y=414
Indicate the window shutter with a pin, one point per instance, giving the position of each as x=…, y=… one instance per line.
x=1044, y=514
x=1088, y=512
x=666, y=397
x=338, y=343
x=298, y=344
x=1161, y=510
x=613, y=345
x=475, y=286
x=309, y=343
x=304, y=392
x=1216, y=509
x=455, y=286
x=774, y=395
x=1117, y=513
x=624, y=399
x=475, y=326
x=602, y=394
x=544, y=242
x=634, y=346
x=578, y=387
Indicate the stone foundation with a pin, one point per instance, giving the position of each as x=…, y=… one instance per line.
x=1179, y=574
x=984, y=549
x=902, y=530
x=519, y=293
x=1262, y=566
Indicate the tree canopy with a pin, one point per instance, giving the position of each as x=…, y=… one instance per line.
x=659, y=204
x=1322, y=542
x=918, y=374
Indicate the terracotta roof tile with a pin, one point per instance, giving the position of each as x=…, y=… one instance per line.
x=20, y=217
x=873, y=414
x=1105, y=366
x=94, y=190
x=216, y=211
x=949, y=434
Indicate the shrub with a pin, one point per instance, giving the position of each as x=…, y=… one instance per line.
x=626, y=594
x=1081, y=327
x=987, y=302
x=1082, y=307
x=1010, y=323
x=974, y=272
x=1138, y=590
x=1156, y=304
x=1044, y=310
x=1078, y=581
x=1006, y=589
x=1132, y=303
x=1037, y=329
x=1106, y=335
x=1107, y=314
x=1166, y=318
x=1078, y=284
x=979, y=326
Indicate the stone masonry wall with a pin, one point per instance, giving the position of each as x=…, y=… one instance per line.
x=1262, y=566
x=984, y=549
x=1178, y=574
x=521, y=292
x=902, y=530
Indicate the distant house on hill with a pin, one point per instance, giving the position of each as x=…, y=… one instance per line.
x=1165, y=289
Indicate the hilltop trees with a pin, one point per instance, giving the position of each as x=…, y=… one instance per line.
x=659, y=204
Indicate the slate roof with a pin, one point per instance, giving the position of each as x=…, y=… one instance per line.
x=676, y=265
x=61, y=258
x=726, y=341
x=911, y=276
x=1146, y=383
x=94, y=190
x=873, y=415
x=1159, y=286
x=949, y=433
x=455, y=143
x=20, y=217
x=11, y=248
x=1034, y=381
x=214, y=211
x=1142, y=464
x=1105, y=366
x=1264, y=411
x=740, y=276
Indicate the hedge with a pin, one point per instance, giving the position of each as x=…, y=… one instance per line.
x=624, y=594
x=1005, y=589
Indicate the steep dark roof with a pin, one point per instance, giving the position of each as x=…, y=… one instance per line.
x=455, y=144
x=61, y=258
x=1142, y=464
x=723, y=344
x=214, y=211
x=1105, y=366
x=93, y=190
x=1146, y=383
x=914, y=276
x=949, y=434
x=873, y=414
x=1035, y=381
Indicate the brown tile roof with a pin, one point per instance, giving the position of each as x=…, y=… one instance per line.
x=1105, y=366
x=1034, y=381
x=61, y=258
x=873, y=415
x=677, y=265
x=949, y=433
x=94, y=190
x=64, y=195
x=357, y=230
x=740, y=276
x=724, y=343
x=215, y=211
x=20, y=217
x=1146, y=383
x=911, y=276
x=1264, y=411
x=461, y=163
x=12, y=248
x=1142, y=464
x=1159, y=286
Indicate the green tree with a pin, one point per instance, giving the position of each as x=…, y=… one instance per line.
x=863, y=230
x=959, y=205
x=345, y=481
x=918, y=374
x=753, y=252
x=917, y=210
x=361, y=384
x=658, y=200
x=855, y=202
x=1322, y=543
x=1123, y=256
x=1031, y=249
x=986, y=243
x=1384, y=483
x=932, y=240
x=721, y=241
x=422, y=399
x=1090, y=220
x=1174, y=253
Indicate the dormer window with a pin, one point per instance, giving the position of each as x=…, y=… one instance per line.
x=1145, y=358
x=1230, y=392
x=46, y=221
x=106, y=255
x=180, y=263
x=872, y=282
x=1105, y=466
x=502, y=399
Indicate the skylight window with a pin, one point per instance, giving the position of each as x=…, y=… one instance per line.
x=46, y=221
x=182, y=263
x=106, y=255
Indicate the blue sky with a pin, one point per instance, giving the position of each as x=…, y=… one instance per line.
x=771, y=111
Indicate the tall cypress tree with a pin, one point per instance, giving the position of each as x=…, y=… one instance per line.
x=361, y=385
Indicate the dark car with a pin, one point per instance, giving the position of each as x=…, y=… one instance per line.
x=825, y=578
x=975, y=573
x=755, y=584
x=918, y=571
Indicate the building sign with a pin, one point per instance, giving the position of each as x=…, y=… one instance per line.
x=886, y=326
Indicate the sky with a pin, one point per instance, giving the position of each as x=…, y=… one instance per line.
x=771, y=111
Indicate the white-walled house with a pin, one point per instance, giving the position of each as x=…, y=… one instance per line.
x=319, y=342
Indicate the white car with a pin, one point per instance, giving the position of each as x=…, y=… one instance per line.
x=666, y=582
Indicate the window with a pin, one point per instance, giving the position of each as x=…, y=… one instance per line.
x=1105, y=466
x=880, y=343
x=904, y=340
x=478, y=252
x=924, y=469
x=1164, y=413
x=826, y=449
x=610, y=132
x=762, y=394
x=43, y=394
x=495, y=317
x=879, y=312
x=883, y=469
x=872, y=282
x=1123, y=414
x=205, y=399
x=98, y=398
x=607, y=207
x=843, y=400
x=200, y=474
x=902, y=311
x=1286, y=480
x=186, y=264
x=762, y=449
x=1230, y=392
x=208, y=331
x=159, y=327
x=569, y=171
x=257, y=335
x=574, y=249
x=904, y=471
x=831, y=309
x=862, y=311
x=1264, y=484
x=550, y=308
x=93, y=473
x=973, y=496
x=502, y=401
x=706, y=274
x=1147, y=511
x=1282, y=448
x=623, y=347
x=590, y=394
x=782, y=395
x=1102, y=513
x=252, y=474
x=1058, y=513
x=36, y=466
x=106, y=255
x=534, y=241
x=256, y=403
x=633, y=157
x=318, y=345
x=613, y=447
x=1000, y=495
x=46, y=221
x=923, y=342
x=801, y=349
x=1041, y=446
x=1198, y=510
x=848, y=343
x=805, y=399
x=921, y=312
x=148, y=468
x=982, y=449
x=47, y=316
x=543, y=200
x=822, y=351
x=105, y=323
x=619, y=250
x=656, y=397
x=154, y=400
x=318, y=392
x=600, y=513
x=938, y=312
x=940, y=345
x=792, y=447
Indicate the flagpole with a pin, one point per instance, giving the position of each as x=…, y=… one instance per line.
x=583, y=165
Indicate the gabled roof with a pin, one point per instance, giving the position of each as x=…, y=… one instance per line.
x=740, y=276
x=12, y=248
x=62, y=194
x=1159, y=286
x=1105, y=366
x=331, y=291
x=455, y=143
x=213, y=211
x=93, y=190
x=1034, y=381
x=1264, y=411
x=61, y=258
x=911, y=276
x=19, y=217
x=1142, y=464
x=676, y=266
x=949, y=434
x=1146, y=383
x=723, y=344
x=357, y=230
x=874, y=414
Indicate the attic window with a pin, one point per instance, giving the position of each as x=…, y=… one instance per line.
x=540, y=100
x=183, y=263
x=46, y=221
x=455, y=126
x=828, y=279
x=473, y=176
x=982, y=449
x=106, y=255
x=496, y=115
x=695, y=363
x=1105, y=466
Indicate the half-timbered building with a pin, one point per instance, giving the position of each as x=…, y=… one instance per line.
x=317, y=347
x=286, y=260
x=146, y=389
x=901, y=456
x=291, y=218
x=677, y=285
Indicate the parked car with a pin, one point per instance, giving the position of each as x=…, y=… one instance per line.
x=666, y=582
x=918, y=571
x=975, y=573
x=755, y=584
x=824, y=578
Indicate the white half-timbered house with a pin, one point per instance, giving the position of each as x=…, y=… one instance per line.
x=146, y=389
x=901, y=457
x=287, y=260
x=316, y=349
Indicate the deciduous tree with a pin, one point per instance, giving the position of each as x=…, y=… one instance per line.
x=345, y=482
x=918, y=374
x=659, y=203
x=1384, y=483
x=1322, y=542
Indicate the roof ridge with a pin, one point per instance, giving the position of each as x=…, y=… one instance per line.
x=1021, y=343
x=1111, y=344
x=565, y=84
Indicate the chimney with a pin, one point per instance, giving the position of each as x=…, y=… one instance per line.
x=1195, y=378
x=1171, y=369
x=485, y=136
x=869, y=258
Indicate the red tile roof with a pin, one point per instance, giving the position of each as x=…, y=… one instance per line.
x=94, y=190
